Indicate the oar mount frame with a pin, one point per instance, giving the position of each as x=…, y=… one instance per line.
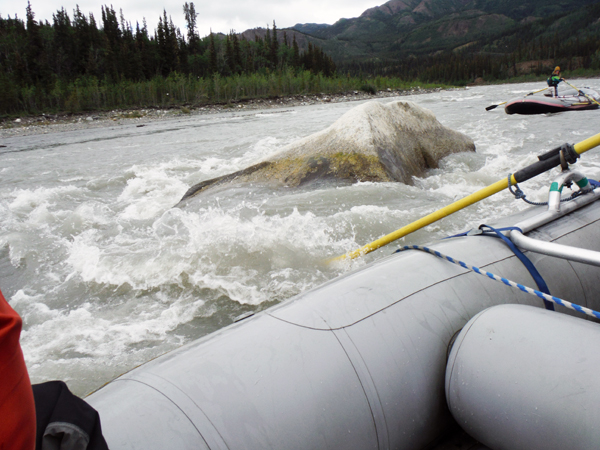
x=559, y=156
x=567, y=149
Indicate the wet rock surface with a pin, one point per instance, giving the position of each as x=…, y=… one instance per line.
x=375, y=142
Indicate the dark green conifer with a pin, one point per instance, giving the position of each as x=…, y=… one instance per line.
x=274, y=46
x=295, y=53
x=189, y=11
x=35, y=67
x=212, y=55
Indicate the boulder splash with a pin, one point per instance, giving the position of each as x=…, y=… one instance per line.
x=372, y=142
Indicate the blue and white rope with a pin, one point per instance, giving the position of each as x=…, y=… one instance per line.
x=551, y=298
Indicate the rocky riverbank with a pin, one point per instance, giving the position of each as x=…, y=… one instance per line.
x=52, y=123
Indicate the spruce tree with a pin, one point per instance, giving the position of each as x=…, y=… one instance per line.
x=189, y=11
x=274, y=46
x=62, y=45
x=237, y=54
x=173, y=40
x=295, y=53
x=112, y=34
x=212, y=54
x=35, y=68
x=228, y=66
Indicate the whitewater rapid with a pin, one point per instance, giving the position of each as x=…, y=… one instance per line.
x=107, y=274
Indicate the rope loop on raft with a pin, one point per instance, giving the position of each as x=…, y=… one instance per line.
x=520, y=195
x=486, y=230
x=537, y=277
x=528, y=290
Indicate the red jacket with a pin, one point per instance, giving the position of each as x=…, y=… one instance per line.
x=17, y=408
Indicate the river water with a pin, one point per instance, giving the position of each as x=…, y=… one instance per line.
x=107, y=274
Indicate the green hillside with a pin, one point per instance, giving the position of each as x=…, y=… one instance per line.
x=80, y=63
x=388, y=38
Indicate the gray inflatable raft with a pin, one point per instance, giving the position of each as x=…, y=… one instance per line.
x=522, y=378
x=358, y=363
x=540, y=104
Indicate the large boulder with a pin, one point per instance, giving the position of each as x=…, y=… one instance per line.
x=372, y=142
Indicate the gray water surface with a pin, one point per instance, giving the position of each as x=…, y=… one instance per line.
x=107, y=274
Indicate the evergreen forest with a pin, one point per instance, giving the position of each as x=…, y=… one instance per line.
x=79, y=63
x=82, y=63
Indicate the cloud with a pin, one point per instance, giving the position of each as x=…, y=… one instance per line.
x=220, y=16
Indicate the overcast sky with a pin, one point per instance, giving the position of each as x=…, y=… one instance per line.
x=220, y=15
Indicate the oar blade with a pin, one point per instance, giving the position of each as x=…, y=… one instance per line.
x=489, y=108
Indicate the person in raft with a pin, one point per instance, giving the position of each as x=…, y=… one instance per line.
x=554, y=80
x=17, y=407
x=40, y=416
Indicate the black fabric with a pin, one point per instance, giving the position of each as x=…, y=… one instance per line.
x=65, y=421
x=554, y=80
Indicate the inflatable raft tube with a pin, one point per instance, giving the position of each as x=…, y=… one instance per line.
x=358, y=363
x=521, y=378
x=541, y=104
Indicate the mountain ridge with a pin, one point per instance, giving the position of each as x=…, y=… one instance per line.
x=400, y=28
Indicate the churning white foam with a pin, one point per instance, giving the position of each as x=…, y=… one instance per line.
x=107, y=274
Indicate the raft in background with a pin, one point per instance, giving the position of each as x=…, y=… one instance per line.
x=358, y=363
x=570, y=100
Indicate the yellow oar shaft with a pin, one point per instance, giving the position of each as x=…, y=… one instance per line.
x=486, y=192
x=589, y=97
x=430, y=218
x=587, y=144
x=498, y=104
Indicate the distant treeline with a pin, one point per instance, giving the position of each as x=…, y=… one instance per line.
x=534, y=48
x=76, y=63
